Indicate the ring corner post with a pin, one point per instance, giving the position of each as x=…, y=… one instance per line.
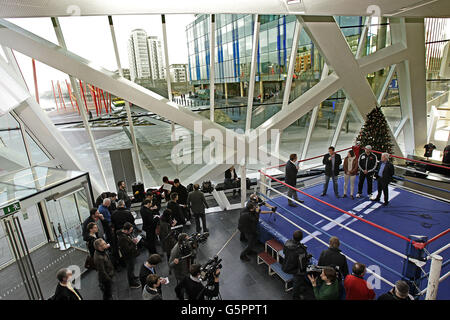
x=412, y=272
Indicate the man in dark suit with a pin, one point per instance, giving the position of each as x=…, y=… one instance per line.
x=231, y=180
x=197, y=203
x=384, y=173
x=182, y=199
x=291, y=179
x=332, y=161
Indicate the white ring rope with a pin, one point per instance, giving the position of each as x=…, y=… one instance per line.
x=326, y=244
x=439, y=251
x=343, y=226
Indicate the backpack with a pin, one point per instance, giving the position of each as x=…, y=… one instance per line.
x=207, y=187
x=296, y=258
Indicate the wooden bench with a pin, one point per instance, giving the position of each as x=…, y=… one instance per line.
x=275, y=246
x=286, y=277
x=266, y=258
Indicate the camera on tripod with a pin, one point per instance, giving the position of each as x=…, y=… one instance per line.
x=192, y=242
x=209, y=269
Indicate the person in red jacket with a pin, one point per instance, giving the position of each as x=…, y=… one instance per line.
x=356, y=288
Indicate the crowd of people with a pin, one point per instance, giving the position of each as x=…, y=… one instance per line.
x=334, y=282
x=363, y=163
x=113, y=239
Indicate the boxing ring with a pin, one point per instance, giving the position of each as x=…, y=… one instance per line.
x=394, y=242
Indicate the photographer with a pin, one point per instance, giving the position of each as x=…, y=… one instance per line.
x=326, y=287
x=258, y=202
x=248, y=225
x=194, y=288
x=181, y=256
x=296, y=260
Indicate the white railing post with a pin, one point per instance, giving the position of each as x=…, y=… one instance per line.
x=433, y=278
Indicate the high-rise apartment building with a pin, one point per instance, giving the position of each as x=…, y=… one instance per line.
x=138, y=55
x=178, y=72
x=156, y=58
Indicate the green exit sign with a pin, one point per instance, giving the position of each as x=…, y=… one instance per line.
x=14, y=207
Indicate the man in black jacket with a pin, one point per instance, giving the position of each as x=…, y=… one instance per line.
x=295, y=262
x=128, y=249
x=123, y=194
x=367, y=162
x=332, y=161
x=248, y=225
x=194, y=288
x=197, y=203
x=121, y=216
x=334, y=257
x=231, y=180
x=174, y=207
x=291, y=179
x=99, y=220
x=149, y=222
x=104, y=267
x=399, y=293
x=182, y=199
x=64, y=291
x=149, y=267
x=384, y=173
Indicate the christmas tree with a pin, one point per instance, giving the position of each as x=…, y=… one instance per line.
x=375, y=132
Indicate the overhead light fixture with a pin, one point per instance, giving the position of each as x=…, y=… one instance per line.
x=295, y=6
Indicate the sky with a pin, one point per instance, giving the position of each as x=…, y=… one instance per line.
x=90, y=38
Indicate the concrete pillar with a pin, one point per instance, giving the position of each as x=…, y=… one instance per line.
x=261, y=90
x=226, y=91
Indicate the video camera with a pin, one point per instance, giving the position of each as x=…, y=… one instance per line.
x=192, y=242
x=316, y=271
x=209, y=269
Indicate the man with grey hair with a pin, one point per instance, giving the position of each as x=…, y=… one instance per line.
x=121, y=215
x=367, y=162
x=399, y=292
x=384, y=173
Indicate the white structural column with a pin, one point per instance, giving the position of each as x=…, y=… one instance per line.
x=212, y=63
x=313, y=120
x=167, y=68
x=385, y=87
x=411, y=80
x=328, y=37
x=127, y=104
x=251, y=81
x=62, y=43
x=290, y=74
x=243, y=185
x=345, y=107
x=169, y=86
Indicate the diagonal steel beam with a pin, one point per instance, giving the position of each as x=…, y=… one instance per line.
x=59, y=58
x=385, y=57
x=328, y=37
